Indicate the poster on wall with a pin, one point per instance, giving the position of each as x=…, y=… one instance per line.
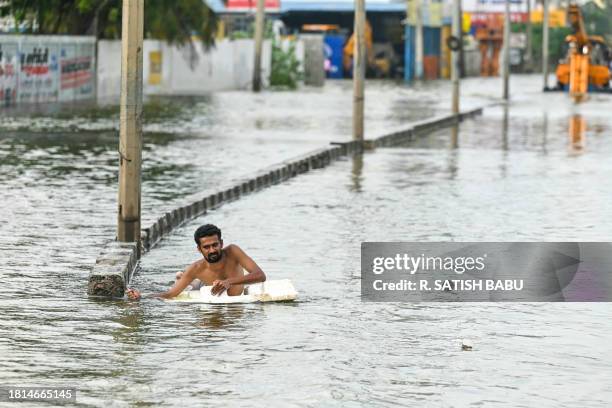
x=76, y=72
x=155, y=68
x=495, y=6
x=431, y=12
x=38, y=73
x=8, y=74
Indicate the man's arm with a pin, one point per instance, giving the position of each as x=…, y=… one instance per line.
x=179, y=286
x=255, y=274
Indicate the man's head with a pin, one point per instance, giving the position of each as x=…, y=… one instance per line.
x=209, y=242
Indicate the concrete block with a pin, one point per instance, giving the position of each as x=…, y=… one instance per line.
x=153, y=234
x=187, y=212
x=175, y=217
x=312, y=162
x=162, y=223
x=168, y=223
x=196, y=208
x=144, y=238
x=113, y=270
x=371, y=144
x=181, y=214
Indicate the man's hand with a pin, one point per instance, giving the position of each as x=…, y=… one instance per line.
x=220, y=286
x=132, y=294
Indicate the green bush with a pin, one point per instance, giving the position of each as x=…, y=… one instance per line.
x=285, y=71
x=556, y=38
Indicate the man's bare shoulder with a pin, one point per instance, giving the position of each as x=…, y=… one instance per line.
x=233, y=250
x=195, y=267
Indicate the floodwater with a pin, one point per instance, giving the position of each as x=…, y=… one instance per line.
x=518, y=174
x=59, y=170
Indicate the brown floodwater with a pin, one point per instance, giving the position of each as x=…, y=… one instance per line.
x=534, y=172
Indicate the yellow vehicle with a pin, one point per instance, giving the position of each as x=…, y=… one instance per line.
x=349, y=49
x=380, y=57
x=586, y=64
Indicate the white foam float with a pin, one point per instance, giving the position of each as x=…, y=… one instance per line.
x=280, y=290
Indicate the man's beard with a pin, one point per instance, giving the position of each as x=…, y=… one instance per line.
x=214, y=257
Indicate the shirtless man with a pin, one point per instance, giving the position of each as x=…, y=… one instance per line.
x=221, y=267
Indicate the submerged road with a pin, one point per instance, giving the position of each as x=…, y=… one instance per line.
x=519, y=174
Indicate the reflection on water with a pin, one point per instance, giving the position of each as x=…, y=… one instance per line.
x=455, y=136
x=221, y=317
x=453, y=164
x=544, y=132
x=58, y=172
x=344, y=352
x=356, y=171
x=504, y=128
x=577, y=133
x=130, y=321
x=329, y=349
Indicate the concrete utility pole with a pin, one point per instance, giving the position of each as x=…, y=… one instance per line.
x=461, y=51
x=130, y=140
x=545, y=44
x=506, y=55
x=455, y=60
x=359, y=69
x=418, y=40
x=259, y=32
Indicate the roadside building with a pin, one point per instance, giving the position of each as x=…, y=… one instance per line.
x=433, y=18
x=333, y=21
x=236, y=17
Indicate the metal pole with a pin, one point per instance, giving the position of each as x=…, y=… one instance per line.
x=455, y=68
x=506, y=55
x=545, y=44
x=359, y=69
x=418, y=39
x=130, y=133
x=259, y=31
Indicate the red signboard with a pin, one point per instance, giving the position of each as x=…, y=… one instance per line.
x=515, y=17
x=251, y=4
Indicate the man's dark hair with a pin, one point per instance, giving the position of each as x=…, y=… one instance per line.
x=206, y=231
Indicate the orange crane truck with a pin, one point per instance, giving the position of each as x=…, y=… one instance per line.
x=586, y=64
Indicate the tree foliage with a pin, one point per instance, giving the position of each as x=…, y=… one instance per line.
x=176, y=21
x=285, y=71
x=598, y=20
